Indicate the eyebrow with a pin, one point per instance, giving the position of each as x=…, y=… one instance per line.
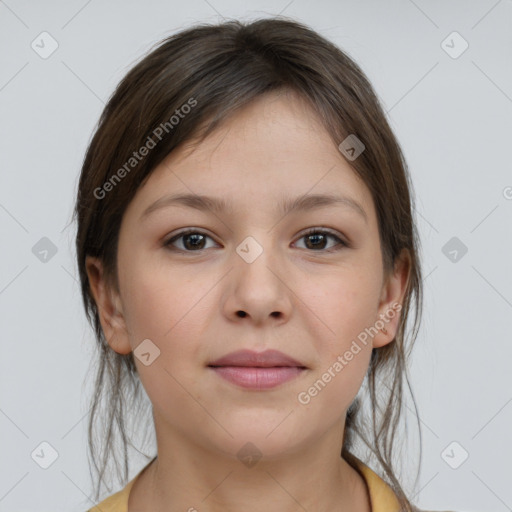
x=220, y=205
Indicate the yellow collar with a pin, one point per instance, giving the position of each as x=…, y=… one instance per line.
x=382, y=497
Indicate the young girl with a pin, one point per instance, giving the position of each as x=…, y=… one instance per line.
x=247, y=253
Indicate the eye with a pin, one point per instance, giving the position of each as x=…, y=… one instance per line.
x=316, y=239
x=192, y=241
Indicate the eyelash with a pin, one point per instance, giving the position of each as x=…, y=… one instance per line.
x=341, y=243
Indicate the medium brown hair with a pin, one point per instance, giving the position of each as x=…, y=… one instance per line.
x=222, y=68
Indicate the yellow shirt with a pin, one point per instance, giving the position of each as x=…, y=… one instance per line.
x=382, y=497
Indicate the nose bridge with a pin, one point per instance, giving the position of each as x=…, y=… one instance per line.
x=251, y=249
x=258, y=289
x=257, y=257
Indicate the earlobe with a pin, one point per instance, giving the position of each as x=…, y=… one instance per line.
x=109, y=307
x=390, y=306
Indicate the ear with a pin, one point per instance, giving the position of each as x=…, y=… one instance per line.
x=390, y=305
x=109, y=307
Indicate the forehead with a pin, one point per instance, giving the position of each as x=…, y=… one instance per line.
x=275, y=147
x=271, y=125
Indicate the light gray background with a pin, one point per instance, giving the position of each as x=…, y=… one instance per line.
x=453, y=118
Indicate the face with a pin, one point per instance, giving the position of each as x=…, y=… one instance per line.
x=250, y=276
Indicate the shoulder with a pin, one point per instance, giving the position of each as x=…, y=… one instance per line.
x=416, y=509
x=117, y=502
x=381, y=494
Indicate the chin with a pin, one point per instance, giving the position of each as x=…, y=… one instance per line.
x=260, y=438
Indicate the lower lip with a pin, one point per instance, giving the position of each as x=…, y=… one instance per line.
x=256, y=377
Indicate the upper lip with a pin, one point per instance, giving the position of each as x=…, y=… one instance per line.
x=265, y=359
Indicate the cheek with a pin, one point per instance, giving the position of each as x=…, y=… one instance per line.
x=150, y=306
x=344, y=305
x=167, y=308
x=150, y=299
x=164, y=310
x=327, y=395
x=347, y=307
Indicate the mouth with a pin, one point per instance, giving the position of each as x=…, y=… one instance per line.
x=259, y=371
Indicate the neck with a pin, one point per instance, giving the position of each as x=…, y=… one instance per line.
x=188, y=477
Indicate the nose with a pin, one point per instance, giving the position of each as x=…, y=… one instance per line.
x=257, y=289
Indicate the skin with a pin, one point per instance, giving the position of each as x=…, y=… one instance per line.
x=186, y=303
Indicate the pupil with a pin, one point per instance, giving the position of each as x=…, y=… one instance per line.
x=317, y=240
x=316, y=236
x=194, y=244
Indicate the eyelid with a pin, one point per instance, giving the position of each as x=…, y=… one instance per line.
x=342, y=240
x=186, y=231
x=326, y=230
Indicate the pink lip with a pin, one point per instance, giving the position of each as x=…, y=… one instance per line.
x=262, y=359
x=257, y=370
